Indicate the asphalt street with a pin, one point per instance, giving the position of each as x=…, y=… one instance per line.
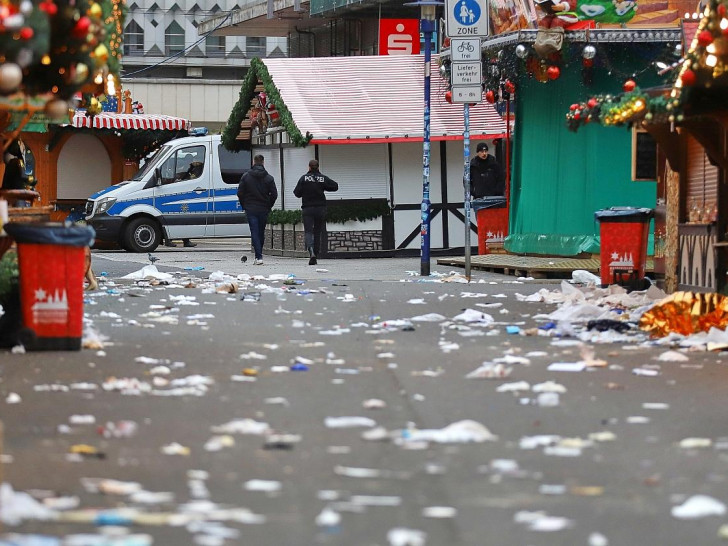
x=221, y=393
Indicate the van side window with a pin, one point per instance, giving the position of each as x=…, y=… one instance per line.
x=232, y=164
x=184, y=164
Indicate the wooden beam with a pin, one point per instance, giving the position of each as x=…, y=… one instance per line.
x=668, y=140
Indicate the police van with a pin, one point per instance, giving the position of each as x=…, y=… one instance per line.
x=187, y=189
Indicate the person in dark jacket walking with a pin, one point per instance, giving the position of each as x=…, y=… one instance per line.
x=257, y=194
x=310, y=188
x=486, y=175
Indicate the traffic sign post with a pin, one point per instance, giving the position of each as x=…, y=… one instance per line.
x=467, y=18
x=467, y=94
x=463, y=50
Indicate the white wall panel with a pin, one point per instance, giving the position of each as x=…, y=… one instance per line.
x=78, y=178
x=208, y=103
x=295, y=161
x=407, y=169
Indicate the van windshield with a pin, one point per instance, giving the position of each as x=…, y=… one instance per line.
x=151, y=162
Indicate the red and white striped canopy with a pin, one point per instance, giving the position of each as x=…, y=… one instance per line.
x=108, y=120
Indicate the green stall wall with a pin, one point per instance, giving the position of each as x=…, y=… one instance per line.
x=560, y=178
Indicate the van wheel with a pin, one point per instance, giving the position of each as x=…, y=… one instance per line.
x=142, y=235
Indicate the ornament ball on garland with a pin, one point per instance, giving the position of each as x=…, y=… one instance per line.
x=705, y=38
x=629, y=86
x=448, y=97
x=553, y=72
x=11, y=75
x=688, y=77
x=490, y=96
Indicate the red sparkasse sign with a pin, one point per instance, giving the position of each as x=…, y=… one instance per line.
x=399, y=36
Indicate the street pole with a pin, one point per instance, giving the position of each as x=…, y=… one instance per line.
x=466, y=185
x=425, y=224
x=427, y=25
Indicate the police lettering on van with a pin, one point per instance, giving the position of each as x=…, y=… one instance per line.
x=187, y=189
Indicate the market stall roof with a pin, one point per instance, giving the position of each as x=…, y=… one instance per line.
x=109, y=120
x=360, y=99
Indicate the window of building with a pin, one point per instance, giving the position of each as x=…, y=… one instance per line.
x=174, y=38
x=215, y=46
x=133, y=39
x=255, y=46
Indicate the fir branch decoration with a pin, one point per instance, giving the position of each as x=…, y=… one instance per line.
x=336, y=213
x=282, y=217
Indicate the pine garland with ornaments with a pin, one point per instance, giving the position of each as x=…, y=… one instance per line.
x=624, y=109
x=54, y=48
x=704, y=70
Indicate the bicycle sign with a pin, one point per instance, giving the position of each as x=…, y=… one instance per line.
x=464, y=49
x=467, y=18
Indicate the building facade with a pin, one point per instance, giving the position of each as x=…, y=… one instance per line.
x=172, y=70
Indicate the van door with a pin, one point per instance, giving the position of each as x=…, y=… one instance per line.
x=184, y=195
x=229, y=218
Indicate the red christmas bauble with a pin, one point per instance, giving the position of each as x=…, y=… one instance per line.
x=509, y=86
x=26, y=33
x=490, y=96
x=49, y=7
x=688, y=77
x=587, y=63
x=553, y=72
x=573, y=107
x=80, y=30
x=722, y=10
x=591, y=103
x=448, y=96
x=577, y=115
x=705, y=38
x=629, y=85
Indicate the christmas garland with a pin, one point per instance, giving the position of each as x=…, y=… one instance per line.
x=258, y=71
x=624, y=109
x=337, y=213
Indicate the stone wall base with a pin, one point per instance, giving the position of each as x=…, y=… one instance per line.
x=289, y=240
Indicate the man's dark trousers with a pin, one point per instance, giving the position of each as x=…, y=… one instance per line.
x=313, y=224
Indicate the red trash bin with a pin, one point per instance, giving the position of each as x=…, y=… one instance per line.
x=491, y=215
x=51, y=260
x=623, y=243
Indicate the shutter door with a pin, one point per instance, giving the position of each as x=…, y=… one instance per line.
x=702, y=180
x=295, y=164
x=360, y=169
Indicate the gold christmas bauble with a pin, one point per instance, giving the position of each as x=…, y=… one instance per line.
x=11, y=75
x=95, y=10
x=101, y=53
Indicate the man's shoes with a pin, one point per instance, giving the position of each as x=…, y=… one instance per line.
x=258, y=261
x=312, y=260
x=170, y=243
x=188, y=243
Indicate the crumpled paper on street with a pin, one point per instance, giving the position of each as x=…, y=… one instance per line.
x=686, y=313
x=149, y=272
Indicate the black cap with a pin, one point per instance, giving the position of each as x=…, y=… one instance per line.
x=482, y=146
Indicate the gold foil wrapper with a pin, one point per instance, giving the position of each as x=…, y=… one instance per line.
x=686, y=313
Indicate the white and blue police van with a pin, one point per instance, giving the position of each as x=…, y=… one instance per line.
x=187, y=189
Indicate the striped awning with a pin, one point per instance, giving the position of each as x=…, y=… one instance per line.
x=362, y=99
x=107, y=120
